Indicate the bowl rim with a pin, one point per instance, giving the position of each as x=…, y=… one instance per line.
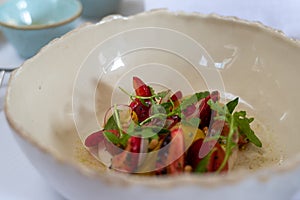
x=124, y=180
x=46, y=26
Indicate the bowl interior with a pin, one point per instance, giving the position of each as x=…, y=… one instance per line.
x=48, y=93
x=35, y=12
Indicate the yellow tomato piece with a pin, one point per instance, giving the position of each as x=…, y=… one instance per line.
x=191, y=134
x=134, y=117
x=199, y=135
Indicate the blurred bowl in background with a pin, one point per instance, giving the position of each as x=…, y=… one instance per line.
x=98, y=9
x=30, y=24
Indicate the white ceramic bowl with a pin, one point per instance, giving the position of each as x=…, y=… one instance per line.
x=253, y=61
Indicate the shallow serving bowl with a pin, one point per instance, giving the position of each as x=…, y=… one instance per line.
x=30, y=24
x=51, y=98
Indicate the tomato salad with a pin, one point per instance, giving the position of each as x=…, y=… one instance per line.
x=195, y=133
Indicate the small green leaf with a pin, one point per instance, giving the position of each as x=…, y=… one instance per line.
x=163, y=94
x=250, y=120
x=216, y=106
x=131, y=128
x=243, y=123
x=151, y=90
x=202, y=95
x=167, y=106
x=123, y=140
x=111, y=137
x=232, y=104
x=144, y=102
x=188, y=101
x=111, y=124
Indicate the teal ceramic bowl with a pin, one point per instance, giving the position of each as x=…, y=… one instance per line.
x=30, y=24
x=98, y=9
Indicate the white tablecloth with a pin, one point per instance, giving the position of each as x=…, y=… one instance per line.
x=18, y=178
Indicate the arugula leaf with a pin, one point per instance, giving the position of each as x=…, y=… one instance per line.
x=167, y=106
x=111, y=124
x=151, y=90
x=193, y=99
x=149, y=131
x=236, y=121
x=216, y=106
x=123, y=140
x=163, y=94
x=202, y=95
x=131, y=127
x=144, y=102
x=111, y=137
x=232, y=104
x=243, y=124
x=240, y=121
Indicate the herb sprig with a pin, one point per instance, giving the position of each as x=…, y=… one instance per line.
x=238, y=123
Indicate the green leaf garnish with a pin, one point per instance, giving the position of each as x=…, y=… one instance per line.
x=151, y=90
x=238, y=122
x=243, y=124
x=111, y=124
x=202, y=95
x=123, y=140
x=167, y=106
x=232, y=104
x=111, y=137
x=193, y=99
x=162, y=94
x=216, y=106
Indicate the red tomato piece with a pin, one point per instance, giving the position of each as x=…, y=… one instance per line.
x=141, y=89
x=94, y=139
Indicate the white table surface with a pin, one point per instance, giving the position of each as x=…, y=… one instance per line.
x=19, y=179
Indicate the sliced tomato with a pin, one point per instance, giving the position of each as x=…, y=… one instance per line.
x=94, y=139
x=127, y=160
x=205, y=110
x=141, y=89
x=176, y=152
x=215, y=160
x=162, y=155
x=193, y=157
x=176, y=97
